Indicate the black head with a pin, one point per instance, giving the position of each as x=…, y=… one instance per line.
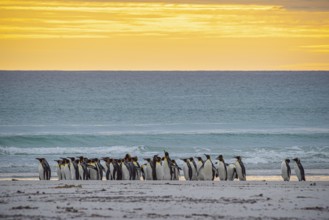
x=199, y=158
x=106, y=159
x=183, y=159
x=191, y=158
x=39, y=159
x=238, y=157
x=220, y=158
x=287, y=160
x=166, y=154
x=296, y=159
x=71, y=158
x=207, y=156
x=127, y=156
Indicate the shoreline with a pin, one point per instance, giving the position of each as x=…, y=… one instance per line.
x=275, y=178
x=163, y=200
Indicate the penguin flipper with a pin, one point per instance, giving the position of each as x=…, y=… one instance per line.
x=243, y=168
x=190, y=173
x=302, y=172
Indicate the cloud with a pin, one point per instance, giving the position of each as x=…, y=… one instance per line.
x=316, y=48
x=99, y=19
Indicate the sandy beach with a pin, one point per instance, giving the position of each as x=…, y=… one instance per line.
x=163, y=200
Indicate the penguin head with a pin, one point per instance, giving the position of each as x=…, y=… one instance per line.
x=220, y=158
x=39, y=159
x=71, y=158
x=135, y=159
x=106, y=159
x=80, y=159
x=191, y=159
x=238, y=157
x=297, y=160
x=183, y=159
x=127, y=156
x=199, y=158
x=207, y=156
x=166, y=154
x=287, y=160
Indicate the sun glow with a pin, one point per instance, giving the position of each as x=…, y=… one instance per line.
x=213, y=36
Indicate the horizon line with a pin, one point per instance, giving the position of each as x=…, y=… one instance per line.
x=169, y=70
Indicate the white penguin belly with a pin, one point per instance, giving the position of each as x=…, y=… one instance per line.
x=230, y=172
x=148, y=174
x=166, y=171
x=207, y=170
x=239, y=171
x=159, y=172
x=41, y=172
x=297, y=172
x=284, y=171
x=222, y=172
x=125, y=173
x=67, y=172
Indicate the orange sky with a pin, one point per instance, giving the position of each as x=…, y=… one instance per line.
x=153, y=35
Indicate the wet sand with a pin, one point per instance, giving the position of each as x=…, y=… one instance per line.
x=163, y=200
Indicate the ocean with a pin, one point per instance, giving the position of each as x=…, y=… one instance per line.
x=264, y=117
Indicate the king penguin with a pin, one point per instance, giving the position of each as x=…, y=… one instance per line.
x=207, y=169
x=100, y=168
x=221, y=169
x=159, y=169
x=285, y=170
x=137, y=168
x=82, y=168
x=148, y=169
x=240, y=169
x=299, y=169
x=117, y=172
x=66, y=169
x=125, y=169
x=187, y=169
x=231, y=172
x=111, y=169
x=59, y=169
x=176, y=169
x=93, y=169
x=44, y=169
x=73, y=168
x=194, y=169
x=107, y=168
x=167, y=167
x=199, y=164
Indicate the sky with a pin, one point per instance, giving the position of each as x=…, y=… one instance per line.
x=164, y=35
